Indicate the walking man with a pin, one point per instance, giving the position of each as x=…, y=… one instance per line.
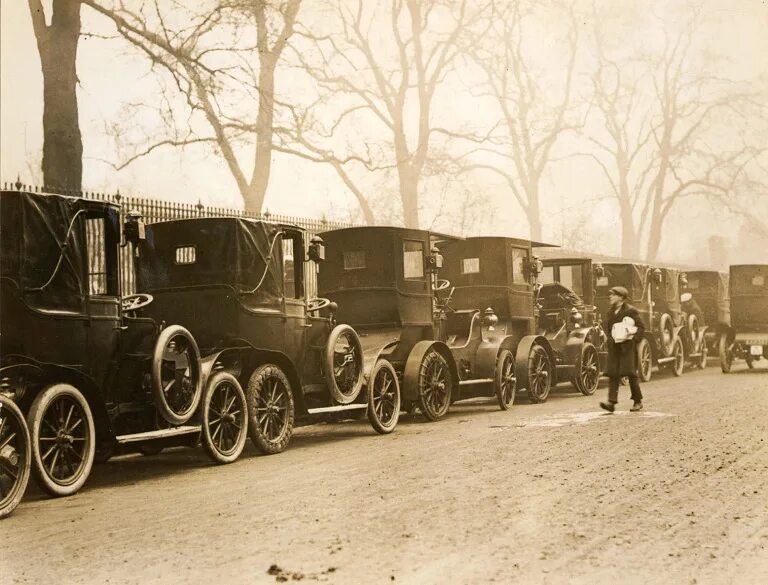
x=622, y=351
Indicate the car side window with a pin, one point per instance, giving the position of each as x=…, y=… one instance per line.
x=519, y=261
x=413, y=259
x=293, y=266
x=102, y=261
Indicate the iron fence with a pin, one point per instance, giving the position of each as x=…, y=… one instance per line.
x=156, y=210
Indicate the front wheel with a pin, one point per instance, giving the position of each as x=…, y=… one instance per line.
x=435, y=385
x=539, y=374
x=270, y=409
x=505, y=383
x=588, y=370
x=644, y=360
x=702, y=362
x=63, y=439
x=678, y=364
x=14, y=456
x=225, y=418
x=383, y=397
x=726, y=357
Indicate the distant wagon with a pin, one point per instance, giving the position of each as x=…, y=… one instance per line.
x=672, y=337
x=709, y=299
x=747, y=338
x=578, y=276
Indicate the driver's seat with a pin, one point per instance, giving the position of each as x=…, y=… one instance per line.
x=459, y=325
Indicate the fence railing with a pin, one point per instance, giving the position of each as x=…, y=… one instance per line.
x=156, y=210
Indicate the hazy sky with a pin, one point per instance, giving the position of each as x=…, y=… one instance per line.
x=111, y=74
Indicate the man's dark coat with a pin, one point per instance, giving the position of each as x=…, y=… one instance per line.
x=622, y=357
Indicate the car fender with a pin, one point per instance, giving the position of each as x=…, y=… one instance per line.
x=521, y=358
x=488, y=353
x=411, y=372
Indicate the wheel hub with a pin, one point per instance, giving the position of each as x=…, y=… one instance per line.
x=63, y=438
x=9, y=455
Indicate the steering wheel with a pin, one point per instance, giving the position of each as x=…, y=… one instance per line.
x=135, y=302
x=442, y=284
x=317, y=304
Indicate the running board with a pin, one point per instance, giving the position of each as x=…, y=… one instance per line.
x=476, y=381
x=159, y=434
x=339, y=408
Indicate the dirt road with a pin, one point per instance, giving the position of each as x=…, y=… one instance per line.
x=553, y=493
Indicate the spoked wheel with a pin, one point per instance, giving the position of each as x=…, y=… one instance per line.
x=225, y=418
x=505, y=383
x=702, y=362
x=176, y=380
x=679, y=362
x=383, y=397
x=539, y=374
x=63, y=439
x=644, y=360
x=588, y=371
x=270, y=409
x=726, y=356
x=344, y=364
x=14, y=456
x=435, y=385
x=667, y=328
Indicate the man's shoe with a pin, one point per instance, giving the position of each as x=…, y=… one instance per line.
x=636, y=406
x=609, y=406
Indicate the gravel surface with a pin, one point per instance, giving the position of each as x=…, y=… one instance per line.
x=551, y=493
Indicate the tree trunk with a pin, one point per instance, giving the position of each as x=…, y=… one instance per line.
x=262, y=166
x=57, y=45
x=409, y=195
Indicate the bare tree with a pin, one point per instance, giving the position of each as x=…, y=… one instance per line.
x=378, y=73
x=221, y=76
x=57, y=46
x=660, y=142
x=531, y=120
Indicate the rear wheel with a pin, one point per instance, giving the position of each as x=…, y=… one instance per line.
x=63, y=439
x=505, y=383
x=678, y=364
x=270, y=409
x=383, y=397
x=435, y=385
x=225, y=418
x=15, y=456
x=726, y=356
x=644, y=360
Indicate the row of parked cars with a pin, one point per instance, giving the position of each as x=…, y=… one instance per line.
x=221, y=343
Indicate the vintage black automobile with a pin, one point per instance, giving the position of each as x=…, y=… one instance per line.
x=747, y=338
x=239, y=286
x=385, y=281
x=672, y=337
x=86, y=371
x=575, y=294
x=543, y=325
x=706, y=295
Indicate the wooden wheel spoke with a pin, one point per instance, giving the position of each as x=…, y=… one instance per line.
x=10, y=438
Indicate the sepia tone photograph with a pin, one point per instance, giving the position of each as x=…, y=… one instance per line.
x=384, y=291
